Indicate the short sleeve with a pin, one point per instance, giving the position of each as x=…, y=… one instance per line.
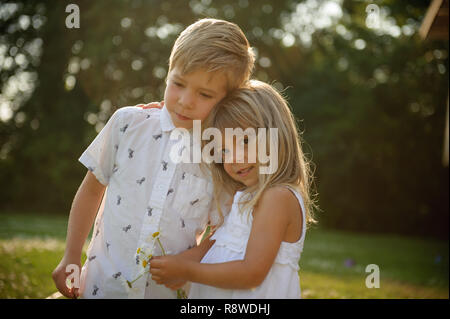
x=99, y=157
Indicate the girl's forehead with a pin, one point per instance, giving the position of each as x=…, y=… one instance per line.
x=235, y=135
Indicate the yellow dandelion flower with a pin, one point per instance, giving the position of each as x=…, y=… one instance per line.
x=144, y=263
x=155, y=234
x=138, y=251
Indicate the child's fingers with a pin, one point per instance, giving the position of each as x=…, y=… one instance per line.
x=72, y=293
x=155, y=263
x=171, y=287
x=75, y=293
x=175, y=286
x=60, y=283
x=157, y=279
x=155, y=270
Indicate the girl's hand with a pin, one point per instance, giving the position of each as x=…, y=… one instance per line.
x=175, y=284
x=168, y=270
x=153, y=105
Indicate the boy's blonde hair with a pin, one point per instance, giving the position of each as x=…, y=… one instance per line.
x=261, y=106
x=214, y=45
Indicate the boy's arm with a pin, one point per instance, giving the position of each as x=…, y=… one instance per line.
x=82, y=214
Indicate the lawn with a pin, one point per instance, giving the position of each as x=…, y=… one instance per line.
x=332, y=265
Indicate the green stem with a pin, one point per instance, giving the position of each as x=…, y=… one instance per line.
x=161, y=246
x=130, y=283
x=180, y=292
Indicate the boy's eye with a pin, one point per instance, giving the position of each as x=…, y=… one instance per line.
x=206, y=95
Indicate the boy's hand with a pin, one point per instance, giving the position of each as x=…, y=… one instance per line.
x=153, y=105
x=60, y=275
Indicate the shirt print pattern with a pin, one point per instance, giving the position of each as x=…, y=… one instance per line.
x=146, y=192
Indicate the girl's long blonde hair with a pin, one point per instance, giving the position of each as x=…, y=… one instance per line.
x=259, y=105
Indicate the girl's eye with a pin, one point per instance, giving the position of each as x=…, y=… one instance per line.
x=244, y=141
x=224, y=153
x=178, y=84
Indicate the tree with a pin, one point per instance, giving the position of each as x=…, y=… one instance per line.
x=368, y=100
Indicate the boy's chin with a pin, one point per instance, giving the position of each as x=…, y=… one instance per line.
x=187, y=126
x=182, y=124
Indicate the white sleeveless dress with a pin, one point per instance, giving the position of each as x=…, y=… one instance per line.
x=282, y=281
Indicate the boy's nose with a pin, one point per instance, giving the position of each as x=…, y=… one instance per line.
x=186, y=100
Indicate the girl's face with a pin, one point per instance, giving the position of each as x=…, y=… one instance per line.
x=244, y=148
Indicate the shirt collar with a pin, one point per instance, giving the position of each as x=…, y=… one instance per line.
x=166, y=120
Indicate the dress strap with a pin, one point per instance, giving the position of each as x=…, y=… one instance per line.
x=302, y=205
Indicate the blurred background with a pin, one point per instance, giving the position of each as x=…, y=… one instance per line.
x=367, y=81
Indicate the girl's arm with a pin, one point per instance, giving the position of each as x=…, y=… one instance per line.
x=196, y=253
x=270, y=222
x=205, y=244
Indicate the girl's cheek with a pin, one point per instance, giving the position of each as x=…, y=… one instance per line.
x=227, y=169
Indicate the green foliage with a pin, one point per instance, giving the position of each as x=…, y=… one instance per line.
x=372, y=114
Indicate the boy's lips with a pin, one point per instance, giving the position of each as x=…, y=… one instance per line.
x=182, y=117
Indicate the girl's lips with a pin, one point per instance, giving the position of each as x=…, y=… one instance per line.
x=244, y=172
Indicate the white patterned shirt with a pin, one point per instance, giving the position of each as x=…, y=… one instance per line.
x=146, y=193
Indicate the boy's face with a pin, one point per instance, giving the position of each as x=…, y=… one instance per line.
x=192, y=96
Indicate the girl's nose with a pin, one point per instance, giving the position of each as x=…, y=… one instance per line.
x=238, y=156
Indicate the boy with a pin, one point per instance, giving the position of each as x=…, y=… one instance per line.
x=147, y=194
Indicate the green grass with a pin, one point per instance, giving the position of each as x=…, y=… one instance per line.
x=32, y=245
x=409, y=267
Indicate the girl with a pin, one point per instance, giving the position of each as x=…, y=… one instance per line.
x=258, y=246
